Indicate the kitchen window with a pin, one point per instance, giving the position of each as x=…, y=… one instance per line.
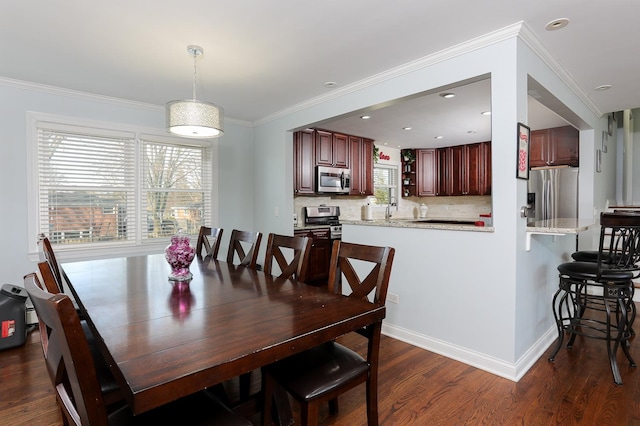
x=99, y=188
x=385, y=184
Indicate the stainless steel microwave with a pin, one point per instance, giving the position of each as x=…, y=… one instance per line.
x=333, y=180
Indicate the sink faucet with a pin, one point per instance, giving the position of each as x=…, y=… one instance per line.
x=387, y=212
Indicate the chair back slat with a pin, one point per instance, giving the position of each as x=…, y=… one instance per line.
x=619, y=241
x=251, y=240
x=208, y=243
x=46, y=253
x=294, y=268
x=343, y=267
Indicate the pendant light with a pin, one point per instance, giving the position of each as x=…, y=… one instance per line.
x=193, y=118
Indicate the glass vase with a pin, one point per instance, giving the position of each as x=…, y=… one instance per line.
x=179, y=255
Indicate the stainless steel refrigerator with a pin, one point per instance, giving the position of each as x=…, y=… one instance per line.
x=553, y=193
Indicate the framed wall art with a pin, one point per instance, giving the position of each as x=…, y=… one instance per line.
x=522, y=162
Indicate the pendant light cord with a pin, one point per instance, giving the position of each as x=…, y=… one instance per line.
x=195, y=69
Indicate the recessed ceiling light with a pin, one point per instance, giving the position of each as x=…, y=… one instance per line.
x=448, y=95
x=406, y=128
x=365, y=117
x=399, y=146
x=486, y=113
x=330, y=84
x=603, y=87
x=439, y=137
x=556, y=24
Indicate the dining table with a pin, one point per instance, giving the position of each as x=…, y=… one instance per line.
x=167, y=339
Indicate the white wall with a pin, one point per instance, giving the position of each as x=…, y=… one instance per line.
x=235, y=150
x=478, y=297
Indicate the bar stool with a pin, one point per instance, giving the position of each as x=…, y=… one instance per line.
x=589, y=291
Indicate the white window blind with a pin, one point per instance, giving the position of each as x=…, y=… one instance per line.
x=103, y=188
x=385, y=184
x=86, y=185
x=176, y=188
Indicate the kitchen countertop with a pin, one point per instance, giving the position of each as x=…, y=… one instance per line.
x=560, y=226
x=422, y=224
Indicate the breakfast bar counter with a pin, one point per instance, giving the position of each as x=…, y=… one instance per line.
x=559, y=226
x=448, y=224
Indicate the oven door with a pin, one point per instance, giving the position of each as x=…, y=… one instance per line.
x=333, y=180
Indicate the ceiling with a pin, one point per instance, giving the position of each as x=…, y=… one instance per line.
x=262, y=57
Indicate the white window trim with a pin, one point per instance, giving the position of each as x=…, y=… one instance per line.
x=397, y=165
x=80, y=252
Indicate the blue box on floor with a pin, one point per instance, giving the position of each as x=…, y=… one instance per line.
x=13, y=316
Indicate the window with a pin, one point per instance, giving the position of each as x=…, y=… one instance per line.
x=106, y=188
x=385, y=184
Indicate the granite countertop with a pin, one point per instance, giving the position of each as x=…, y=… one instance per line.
x=453, y=224
x=560, y=226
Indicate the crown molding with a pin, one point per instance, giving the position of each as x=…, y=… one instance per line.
x=530, y=39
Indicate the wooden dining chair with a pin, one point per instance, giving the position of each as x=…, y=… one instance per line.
x=209, y=241
x=72, y=373
x=241, y=241
x=280, y=248
x=326, y=371
x=109, y=387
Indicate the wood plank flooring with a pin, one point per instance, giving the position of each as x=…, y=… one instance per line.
x=417, y=387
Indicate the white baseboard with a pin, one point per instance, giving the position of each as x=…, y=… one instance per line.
x=510, y=371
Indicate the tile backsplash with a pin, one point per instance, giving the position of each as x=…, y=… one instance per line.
x=352, y=208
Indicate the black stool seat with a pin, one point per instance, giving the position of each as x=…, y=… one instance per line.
x=591, y=271
x=591, y=256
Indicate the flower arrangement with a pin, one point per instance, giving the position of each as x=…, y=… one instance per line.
x=179, y=255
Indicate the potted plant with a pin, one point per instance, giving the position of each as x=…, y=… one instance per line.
x=408, y=156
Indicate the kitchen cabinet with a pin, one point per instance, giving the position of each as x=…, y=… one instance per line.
x=319, y=254
x=426, y=177
x=361, y=166
x=559, y=146
x=332, y=149
x=304, y=163
x=464, y=170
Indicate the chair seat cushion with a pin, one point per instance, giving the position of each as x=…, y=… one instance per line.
x=589, y=271
x=312, y=373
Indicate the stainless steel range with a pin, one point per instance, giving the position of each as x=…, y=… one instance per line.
x=324, y=216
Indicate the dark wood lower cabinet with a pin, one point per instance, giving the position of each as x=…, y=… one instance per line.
x=320, y=255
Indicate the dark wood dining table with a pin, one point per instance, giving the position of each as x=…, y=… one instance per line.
x=164, y=340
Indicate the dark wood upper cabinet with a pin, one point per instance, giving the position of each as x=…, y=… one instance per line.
x=314, y=147
x=304, y=162
x=559, y=146
x=464, y=169
x=361, y=166
x=426, y=174
x=332, y=149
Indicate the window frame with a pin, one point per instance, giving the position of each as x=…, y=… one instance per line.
x=139, y=245
x=387, y=165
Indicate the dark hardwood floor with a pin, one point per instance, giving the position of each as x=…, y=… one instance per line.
x=417, y=387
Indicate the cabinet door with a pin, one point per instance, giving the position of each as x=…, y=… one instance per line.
x=303, y=154
x=486, y=172
x=366, y=167
x=539, y=148
x=426, y=174
x=444, y=184
x=324, y=148
x=459, y=183
x=319, y=254
x=565, y=146
x=341, y=151
x=474, y=169
x=355, y=146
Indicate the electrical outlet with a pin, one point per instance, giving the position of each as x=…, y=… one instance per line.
x=277, y=212
x=393, y=298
